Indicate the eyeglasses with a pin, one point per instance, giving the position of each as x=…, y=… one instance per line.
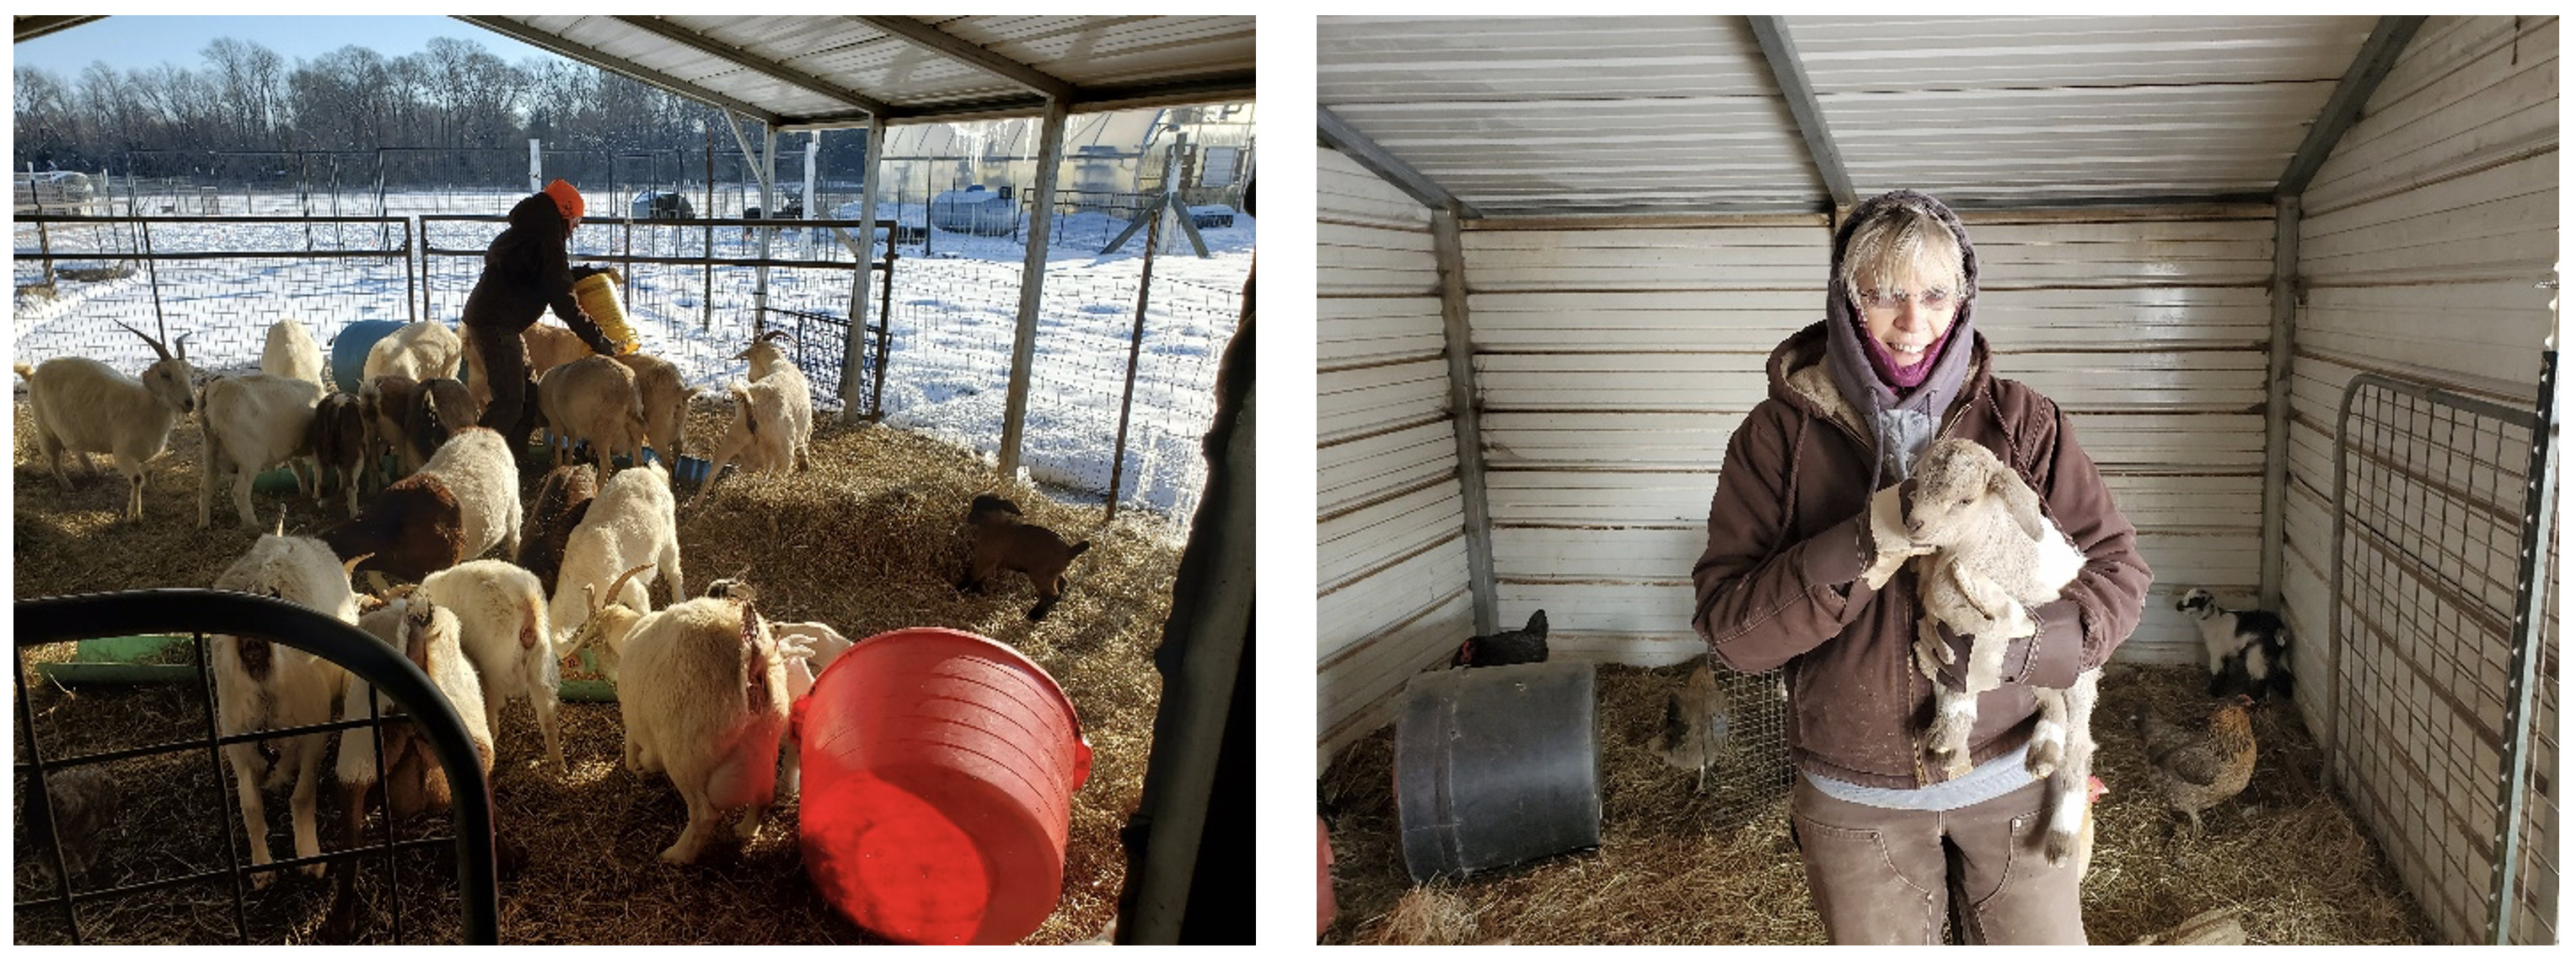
x=1933, y=300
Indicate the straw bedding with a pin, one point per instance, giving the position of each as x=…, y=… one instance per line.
x=1683, y=866
x=867, y=541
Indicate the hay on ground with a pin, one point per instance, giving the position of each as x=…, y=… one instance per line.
x=868, y=540
x=1683, y=866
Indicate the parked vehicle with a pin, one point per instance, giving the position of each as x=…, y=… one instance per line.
x=660, y=204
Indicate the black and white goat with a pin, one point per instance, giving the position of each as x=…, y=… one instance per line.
x=2247, y=649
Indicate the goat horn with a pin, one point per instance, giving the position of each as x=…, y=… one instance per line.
x=147, y=339
x=620, y=584
x=351, y=567
x=774, y=333
x=183, y=345
x=281, y=519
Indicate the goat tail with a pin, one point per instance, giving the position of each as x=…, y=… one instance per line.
x=1076, y=548
x=532, y=618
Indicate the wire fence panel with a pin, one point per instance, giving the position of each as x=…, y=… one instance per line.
x=2429, y=528
x=219, y=282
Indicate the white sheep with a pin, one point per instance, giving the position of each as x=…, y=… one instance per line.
x=1996, y=557
x=252, y=423
x=704, y=699
x=476, y=467
x=260, y=685
x=631, y=522
x=291, y=352
x=594, y=399
x=501, y=611
x=420, y=351
x=81, y=406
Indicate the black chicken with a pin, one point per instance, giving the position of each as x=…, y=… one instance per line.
x=1527, y=644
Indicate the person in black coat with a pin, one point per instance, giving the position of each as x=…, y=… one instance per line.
x=525, y=272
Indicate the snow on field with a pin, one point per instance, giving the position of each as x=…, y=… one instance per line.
x=954, y=312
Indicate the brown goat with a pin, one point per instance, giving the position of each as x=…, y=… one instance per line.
x=1004, y=541
x=412, y=528
x=384, y=401
x=437, y=410
x=563, y=500
x=338, y=438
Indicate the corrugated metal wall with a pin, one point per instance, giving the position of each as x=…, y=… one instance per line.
x=1391, y=557
x=1613, y=363
x=2420, y=243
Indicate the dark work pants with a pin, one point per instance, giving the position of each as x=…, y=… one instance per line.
x=1880, y=876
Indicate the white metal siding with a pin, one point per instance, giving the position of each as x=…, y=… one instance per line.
x=2422, y=238
x=1614, y=362
x=1391, y=556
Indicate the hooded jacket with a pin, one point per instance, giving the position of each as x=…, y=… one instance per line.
x=1788, y=528
x=525, y=272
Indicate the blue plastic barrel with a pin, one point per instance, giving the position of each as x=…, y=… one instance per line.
x=349, y=351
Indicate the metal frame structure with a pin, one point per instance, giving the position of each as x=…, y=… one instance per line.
x=2431, y=493
x=208, y=611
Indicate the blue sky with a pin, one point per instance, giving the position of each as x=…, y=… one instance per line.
x=131, y=42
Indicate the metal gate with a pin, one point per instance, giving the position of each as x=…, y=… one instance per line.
x=2440, y=732
x=204, y=611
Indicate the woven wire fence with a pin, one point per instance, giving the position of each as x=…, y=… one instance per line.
x=218, y=282
x=2435, y=648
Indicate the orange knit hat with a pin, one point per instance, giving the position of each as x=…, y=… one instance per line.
x=567, y=198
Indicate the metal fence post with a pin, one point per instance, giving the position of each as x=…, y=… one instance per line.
x=1135, y=347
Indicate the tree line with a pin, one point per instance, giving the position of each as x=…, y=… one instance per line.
x=456, y=111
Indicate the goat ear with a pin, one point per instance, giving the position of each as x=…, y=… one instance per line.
x=2019, y=500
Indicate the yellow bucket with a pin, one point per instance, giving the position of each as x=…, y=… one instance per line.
x=598, y=297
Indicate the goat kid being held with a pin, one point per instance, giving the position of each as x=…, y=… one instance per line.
x=1995, y=557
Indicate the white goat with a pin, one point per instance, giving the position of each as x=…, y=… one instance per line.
x=421, y=351
x=548, y=346
x=502, y=612
x=2248, y=648
x=631, y=522
x=773, y=419
x=259, y=685
x=252, y=422
x=704, y=698
x=81, y=406
x=291, y=352
x=594, y=399
x=478, y=471
x=1996, y=557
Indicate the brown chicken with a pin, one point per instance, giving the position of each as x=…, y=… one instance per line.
x=2193, y=771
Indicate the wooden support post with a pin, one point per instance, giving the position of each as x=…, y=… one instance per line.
x=1461, y=351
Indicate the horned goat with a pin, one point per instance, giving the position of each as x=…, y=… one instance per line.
x=501, y=611
x=419, y=351
x=261, y=685
x=630, y=523
x=1996, y=556
x=594, y=399
x=81, y=406
x=252, y=422
x=665, y=396
x=457, y=507
x=704, y=699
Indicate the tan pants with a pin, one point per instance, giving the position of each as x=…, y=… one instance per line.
x=1881, y=876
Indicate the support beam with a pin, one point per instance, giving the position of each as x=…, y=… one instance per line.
x=1460, y=348
x=1772, y=34
x=855, y=344
x=1339, y=135
x=1024, y=344
x=620, y=65
x=2343, y=107
x=30, y=28
x=2276, y=408
x=953, y=47
x=763, y=66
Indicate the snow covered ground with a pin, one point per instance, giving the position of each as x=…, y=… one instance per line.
x=954, y=314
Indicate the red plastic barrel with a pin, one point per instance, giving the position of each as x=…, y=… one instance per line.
x=939, y=774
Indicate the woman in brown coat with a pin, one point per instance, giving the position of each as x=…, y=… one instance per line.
x=526, y=271
x=1809, y=496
